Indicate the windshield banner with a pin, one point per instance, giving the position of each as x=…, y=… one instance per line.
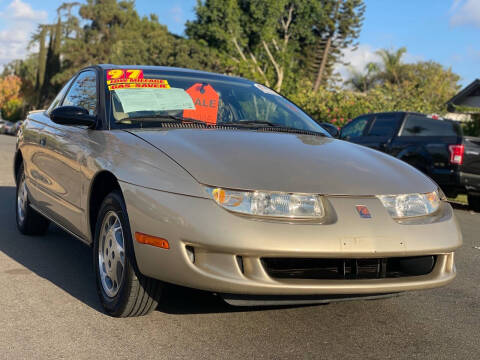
x=132, y=79
x=160, y=84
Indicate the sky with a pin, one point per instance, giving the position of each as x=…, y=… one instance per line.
x=446, y=31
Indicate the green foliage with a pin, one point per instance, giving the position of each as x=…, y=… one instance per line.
x=472, y=128
x=11, y=102
x=12, y=110
x=391, y=85
x=466, y=109
x=392, y=67
x=430, y=82
x=338, y=107
x=364, y=81
x=262, y=40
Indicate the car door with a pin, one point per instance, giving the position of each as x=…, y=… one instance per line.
x=64, y=150
x=33, y=152
x=382, y=130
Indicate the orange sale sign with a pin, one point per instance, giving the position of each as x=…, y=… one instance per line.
x=205, y=99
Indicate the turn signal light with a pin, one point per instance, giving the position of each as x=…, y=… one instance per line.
x=152, y=240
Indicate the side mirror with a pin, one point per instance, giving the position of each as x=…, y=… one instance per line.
x=331, y=129
x=334, y=132
x=72, y=115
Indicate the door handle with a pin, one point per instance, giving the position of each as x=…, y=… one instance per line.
x=43, y=141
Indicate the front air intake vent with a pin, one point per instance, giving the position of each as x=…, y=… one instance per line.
x=339, y=269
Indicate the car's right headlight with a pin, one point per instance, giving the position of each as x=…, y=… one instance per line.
x=268, y=204
x=411, y=205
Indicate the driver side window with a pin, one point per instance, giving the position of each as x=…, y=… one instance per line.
x=355, y=129
x=56, y=102
x=83, y=92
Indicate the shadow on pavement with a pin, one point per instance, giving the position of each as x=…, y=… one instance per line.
x=67, y=263
x=57, y=257
x=184, y=301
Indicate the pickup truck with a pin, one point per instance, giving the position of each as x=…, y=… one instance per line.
x=433, y=145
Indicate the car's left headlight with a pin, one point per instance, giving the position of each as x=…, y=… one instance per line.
x=411, y=205
x=269, y=204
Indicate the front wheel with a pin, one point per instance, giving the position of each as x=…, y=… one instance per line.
x=123, y=291
x=474, y=202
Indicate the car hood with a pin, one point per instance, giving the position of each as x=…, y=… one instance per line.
x=256, y=160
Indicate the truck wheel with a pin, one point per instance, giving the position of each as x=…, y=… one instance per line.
x=29, y=222
x=123, y=291
x=474, y=202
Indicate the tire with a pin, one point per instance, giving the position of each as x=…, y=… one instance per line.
x=123, y=290
x=474, y=202
x=29, y=222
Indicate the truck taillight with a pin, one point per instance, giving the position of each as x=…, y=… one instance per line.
x=456, y=154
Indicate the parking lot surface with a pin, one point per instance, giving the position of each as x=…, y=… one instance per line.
x=49, y=309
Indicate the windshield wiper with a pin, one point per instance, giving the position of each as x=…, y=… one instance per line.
x=250, y=124
x=258, y=124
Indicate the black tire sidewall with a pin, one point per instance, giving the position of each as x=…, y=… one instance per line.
x=20, y=175
x=21, y=226
x=114, y=305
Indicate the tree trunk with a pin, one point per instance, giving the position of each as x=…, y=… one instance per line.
x=323, y=64
x=326, y=51
x=42, y=59
x=58, y=37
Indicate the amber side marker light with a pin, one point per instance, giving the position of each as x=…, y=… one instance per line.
x=152, y=240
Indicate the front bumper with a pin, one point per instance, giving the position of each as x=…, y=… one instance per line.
x=219, y=239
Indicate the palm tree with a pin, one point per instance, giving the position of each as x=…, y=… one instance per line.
x=364, y=81
x=392, y=64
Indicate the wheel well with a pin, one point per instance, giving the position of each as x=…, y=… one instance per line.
x=18, y=162
x=103, y=184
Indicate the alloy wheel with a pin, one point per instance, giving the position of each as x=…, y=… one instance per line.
x=111, y=254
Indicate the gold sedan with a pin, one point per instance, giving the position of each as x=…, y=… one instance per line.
x=221, y=184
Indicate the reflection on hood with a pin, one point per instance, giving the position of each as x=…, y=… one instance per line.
x=250, y=160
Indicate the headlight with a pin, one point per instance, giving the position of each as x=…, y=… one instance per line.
x=411, y=205
x=269, y=204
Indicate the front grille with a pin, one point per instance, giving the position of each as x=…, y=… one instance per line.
x=314, y=268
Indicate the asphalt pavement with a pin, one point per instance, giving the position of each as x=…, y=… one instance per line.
x=49, y=310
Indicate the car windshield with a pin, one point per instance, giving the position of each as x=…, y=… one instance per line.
x=142, y=98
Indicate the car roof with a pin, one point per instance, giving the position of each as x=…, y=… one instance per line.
x=395, y=112
x=173, y=70
x=409, y=113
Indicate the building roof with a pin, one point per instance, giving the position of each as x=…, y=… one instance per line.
x=462, y=94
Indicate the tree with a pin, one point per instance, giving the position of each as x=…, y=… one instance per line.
x=42, y=57
x=335, y=31
x=392, y=66
x=10, y=98
x=262, y=39
x=364, y=81
x=49, y=89
x=265, y=40
x=430, y=82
